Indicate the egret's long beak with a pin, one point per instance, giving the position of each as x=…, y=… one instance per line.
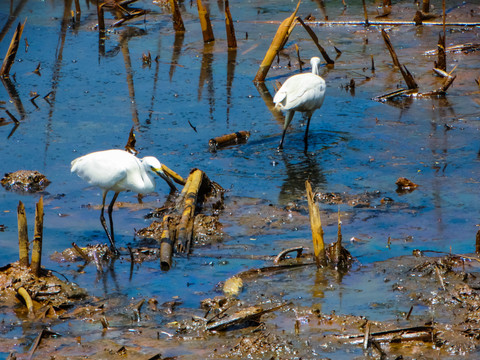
x=164, y=176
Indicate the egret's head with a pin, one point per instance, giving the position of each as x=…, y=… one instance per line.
x=154, y=165
x=315, y=62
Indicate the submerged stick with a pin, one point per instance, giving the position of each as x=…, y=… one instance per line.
x=278, y=41
x=12, y=51
x=317, y=230
x=22, y=235
x=37, y=239
x=315, y=40
x=205, y=23
x=231, y=39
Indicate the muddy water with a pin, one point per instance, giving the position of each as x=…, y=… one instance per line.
x=192, y=92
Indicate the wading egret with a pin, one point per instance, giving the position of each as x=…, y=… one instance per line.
x=118, y=170
x=301, y=92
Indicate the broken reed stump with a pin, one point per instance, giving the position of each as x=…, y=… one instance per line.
x=166, y=244
x=277, y=44
x=441, y=62
x=101, y=18
x=315, y=40
x=185, y=226
x=130, y=147
x=37, y=239
x=22, y=235
x=407, y=76
x=231, y=39
x=317, y=230
x=12, y=51
x=205, y=23
x=178, y=25
x=229, y=139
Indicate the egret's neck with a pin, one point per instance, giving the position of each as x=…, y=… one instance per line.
x=316, y=70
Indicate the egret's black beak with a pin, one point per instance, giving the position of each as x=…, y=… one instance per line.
x=165, y=177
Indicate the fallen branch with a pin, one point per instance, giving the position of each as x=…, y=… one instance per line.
x=229, y=139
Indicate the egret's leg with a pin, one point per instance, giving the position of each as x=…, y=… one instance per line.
x=104, y=224
x=288, y=120
x=110, y=210
x=305, y=139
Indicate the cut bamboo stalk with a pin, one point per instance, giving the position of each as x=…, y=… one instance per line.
x=317, y=230
x=205, y=23
x=166, y=245
x=178, y=25
x=173, y=175
x=37, y=239
x=315, y=40
x=229, y=139
x=185, y=226
x=22, y=235
x=277, y=44
x=231, y=38
x=12, y=51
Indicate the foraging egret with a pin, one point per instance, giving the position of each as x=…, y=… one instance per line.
x=301, y=92
x=118, y=170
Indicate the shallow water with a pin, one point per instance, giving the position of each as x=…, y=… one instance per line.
x=356, y=145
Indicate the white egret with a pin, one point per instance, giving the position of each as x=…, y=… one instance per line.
x=301, y=92
x=117, y=170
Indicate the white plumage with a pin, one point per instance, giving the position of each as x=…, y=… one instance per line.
x=301, y=92
x=117, y=170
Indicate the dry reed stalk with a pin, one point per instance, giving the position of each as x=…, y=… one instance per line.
x=205, y=23
x=426, y=6
x=365, y=13
x=441, y=62
x=37, y=239
x=231, y=39
x=12, y=51
x=173, y=175
x=185, y=226
x=277, y=44
x=177, y=17
x=22, y=235
x=315, y=40
x=27, y=298
x=317, y=230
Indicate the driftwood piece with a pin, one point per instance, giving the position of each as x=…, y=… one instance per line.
x=317, y=230
x=315, y=40
x=12, y=51
x=205, y=23
x=277, y=44
x=229, y=139
x=22, y=235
